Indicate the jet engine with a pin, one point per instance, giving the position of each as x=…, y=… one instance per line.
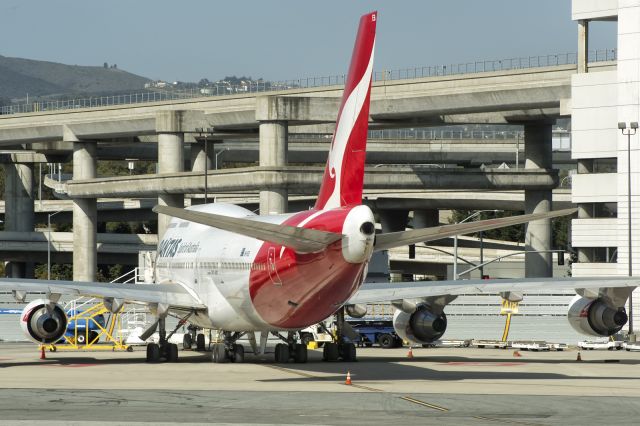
x=421, y=326
x=43, y=322
x=356, y=311
x=596, y=318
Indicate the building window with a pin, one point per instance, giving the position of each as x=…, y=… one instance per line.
x=605, y=165
x=605, y=255
x=605, y=210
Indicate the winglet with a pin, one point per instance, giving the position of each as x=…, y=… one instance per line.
x=344, y=174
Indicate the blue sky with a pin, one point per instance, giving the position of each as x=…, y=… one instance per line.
x=283, y=39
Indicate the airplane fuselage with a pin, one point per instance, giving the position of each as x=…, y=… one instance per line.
x=248, y=284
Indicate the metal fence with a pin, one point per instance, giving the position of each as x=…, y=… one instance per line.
x=422, y=134
x=155, y=95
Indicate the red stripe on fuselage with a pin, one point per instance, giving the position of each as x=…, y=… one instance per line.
x=307, y=287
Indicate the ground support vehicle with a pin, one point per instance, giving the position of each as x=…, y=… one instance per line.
x=559, y=347
x=372, y=332
x=496, y=344
x=531, y=346
x=317, y=335
x=631, y=346
x=601, y=344
x=86, y=327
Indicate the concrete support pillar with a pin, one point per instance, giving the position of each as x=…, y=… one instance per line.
x=537, y=151
x=393, y=220
x=170, y=159
x=19, y=213
x=583, y=46
x=426, y=218
x=199, y=161
x=273, y=153
x=85, y=215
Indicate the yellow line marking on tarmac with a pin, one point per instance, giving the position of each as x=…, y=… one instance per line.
x=311, y=376
x=425, y=404
x=514, y=422
x=367, y=388
x=299, y=373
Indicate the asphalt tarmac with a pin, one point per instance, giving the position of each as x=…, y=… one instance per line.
x=444, y=385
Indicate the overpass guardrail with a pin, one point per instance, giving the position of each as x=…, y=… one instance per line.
x=151, y=95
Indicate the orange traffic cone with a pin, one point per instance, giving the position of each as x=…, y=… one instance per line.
x=410, y=353
x=42, y=353
x=578, y=358
x=348, y=381
x=517, y=354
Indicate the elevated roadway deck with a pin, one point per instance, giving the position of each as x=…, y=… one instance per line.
x=494, y=97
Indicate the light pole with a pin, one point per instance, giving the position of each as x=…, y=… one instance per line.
x=49, y=216
x=633, y=127
x=455, y=241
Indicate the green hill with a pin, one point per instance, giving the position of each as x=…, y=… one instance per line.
x=41, y=78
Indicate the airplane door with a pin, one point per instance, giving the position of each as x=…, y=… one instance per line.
x=271, y=267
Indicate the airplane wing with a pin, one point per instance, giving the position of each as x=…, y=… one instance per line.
x=403, y=238
x=172, y=295
x=301, y=240
x=387, y=292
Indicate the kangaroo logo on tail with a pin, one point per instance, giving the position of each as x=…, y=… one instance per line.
x=344, y=174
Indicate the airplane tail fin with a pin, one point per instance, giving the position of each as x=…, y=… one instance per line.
x=344, y=174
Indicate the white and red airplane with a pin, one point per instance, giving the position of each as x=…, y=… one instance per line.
x=222, y=267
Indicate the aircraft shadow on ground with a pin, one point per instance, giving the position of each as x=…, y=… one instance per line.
x=396, y=368
x=368, y=368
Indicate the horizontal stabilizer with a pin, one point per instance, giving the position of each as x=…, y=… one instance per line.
x=403, y=238
x=301, y=240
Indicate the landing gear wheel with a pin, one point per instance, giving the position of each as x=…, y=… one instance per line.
x=238, y=354
x=187, y=341
x=219, y=354
x=306, y=339
x=386, y=341
x=81, y=339
x=300, y=353
x=330, y=352
x=200, y=343
x=282, y=354
x=153, y=352
x=348, y=352
x=172, y=352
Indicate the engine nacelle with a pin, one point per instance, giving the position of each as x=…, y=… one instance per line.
x=356, y=311
x=43, y=325
x=594, y=317
x=422, y=326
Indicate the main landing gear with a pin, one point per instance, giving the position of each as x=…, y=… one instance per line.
x=163, y=349
x=291, y=350
x=228, y=350
x=339, y=349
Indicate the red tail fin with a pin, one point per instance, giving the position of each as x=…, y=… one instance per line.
x=344, y=174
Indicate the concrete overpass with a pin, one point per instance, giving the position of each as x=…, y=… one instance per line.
x=531, y=97
x=513, y=96
x=33, y=246
x=130, y=210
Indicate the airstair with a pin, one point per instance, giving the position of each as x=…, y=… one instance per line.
x=92, y=326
